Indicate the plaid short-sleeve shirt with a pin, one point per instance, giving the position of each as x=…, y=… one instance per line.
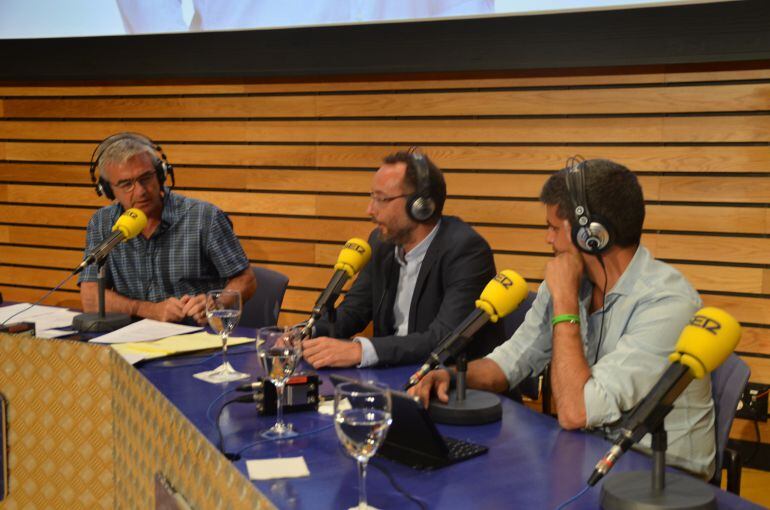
x=192, y=251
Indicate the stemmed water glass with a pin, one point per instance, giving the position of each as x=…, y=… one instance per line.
x=279, y=349
x=223, y=311
x=362, y=417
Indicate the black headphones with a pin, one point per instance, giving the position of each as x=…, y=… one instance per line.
x=591, y=234
x=420, y=205
x=160, y=164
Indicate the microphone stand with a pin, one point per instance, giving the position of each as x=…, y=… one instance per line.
x=331, y=313
x=100, y=322
x=465, y=406
x=632, y=490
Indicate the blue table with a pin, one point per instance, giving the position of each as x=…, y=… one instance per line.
x=531, y=463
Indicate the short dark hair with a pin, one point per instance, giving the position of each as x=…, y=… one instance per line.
x=436, y=182
x=613, y=193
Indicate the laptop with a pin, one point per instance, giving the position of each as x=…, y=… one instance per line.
x=413, y=438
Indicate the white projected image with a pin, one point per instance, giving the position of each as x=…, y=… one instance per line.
x=21, y=19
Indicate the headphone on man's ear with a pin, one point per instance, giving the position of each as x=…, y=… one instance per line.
x=160, y=164
x=420, y=205
x=590, y=233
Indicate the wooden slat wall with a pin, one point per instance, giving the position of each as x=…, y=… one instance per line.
x=292, y=163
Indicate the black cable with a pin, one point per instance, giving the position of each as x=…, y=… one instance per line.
x=417, y=501
x=220, y=436
x=41, y=299
x=604, y=307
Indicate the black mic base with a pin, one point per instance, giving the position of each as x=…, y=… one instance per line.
x=94, y=323
x=633, y=491
x=478, y=408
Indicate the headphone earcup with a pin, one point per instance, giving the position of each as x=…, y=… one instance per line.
x=160, y=172
x=593, y=238
x=103, y=188
x=420, y=208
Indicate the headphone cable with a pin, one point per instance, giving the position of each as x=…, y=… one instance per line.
x=604, y=307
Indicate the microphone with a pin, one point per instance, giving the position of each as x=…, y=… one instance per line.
x=128, y=226
x=502, y=295
x=352, y=258
x=704, y=344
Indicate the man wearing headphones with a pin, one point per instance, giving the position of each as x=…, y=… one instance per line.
x=426, y=272
x=606, y=317
x=187, y=248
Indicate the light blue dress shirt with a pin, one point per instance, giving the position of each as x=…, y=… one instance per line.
x=644, y=313
x=407, y=279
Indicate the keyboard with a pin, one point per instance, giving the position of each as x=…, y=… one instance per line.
x=461, y=450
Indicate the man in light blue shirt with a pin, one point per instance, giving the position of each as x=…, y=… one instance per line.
x=606, y=317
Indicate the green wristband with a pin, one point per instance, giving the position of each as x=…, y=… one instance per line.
x=566, y=317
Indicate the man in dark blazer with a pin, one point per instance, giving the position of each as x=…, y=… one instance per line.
x=426, y=272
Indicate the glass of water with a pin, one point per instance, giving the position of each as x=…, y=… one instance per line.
x=279, y=349
x=362, y=417
x=223, y=311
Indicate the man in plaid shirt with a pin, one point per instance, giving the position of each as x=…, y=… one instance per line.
x=187, y=248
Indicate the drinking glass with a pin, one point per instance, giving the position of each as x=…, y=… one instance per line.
x=362, y=417
x=279, y=349
x=223, y=311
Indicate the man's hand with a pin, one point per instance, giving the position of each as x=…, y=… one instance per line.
x=331, y=352
x=435, y=381
x=195, y=307
x=562, y=275
x=169, y=310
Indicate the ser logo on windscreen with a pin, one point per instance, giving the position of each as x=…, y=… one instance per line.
x=707, y=323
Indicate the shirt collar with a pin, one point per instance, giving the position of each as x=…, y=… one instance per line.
x=625, y=284
x=627, y=281
x=418, y=252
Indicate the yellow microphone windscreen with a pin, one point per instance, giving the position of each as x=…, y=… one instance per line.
x=503, y=294
x=354, y=256
x=131, y=223
x=707, y=341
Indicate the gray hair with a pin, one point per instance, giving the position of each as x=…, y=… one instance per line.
x=124, y=147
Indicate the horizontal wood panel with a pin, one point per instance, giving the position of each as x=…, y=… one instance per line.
x=721, y=98
x=672, y=99
x=515, y=185
x=760, y=369
x=748, y=250
x=66, y=299
x=44, y=278
x=707, y=159
x=744, y=309
x=535, y=78
x=754, y=340
x=43, y=236
x=691, y=129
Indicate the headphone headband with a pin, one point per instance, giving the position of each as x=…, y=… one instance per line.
x=160, y=162
x=589, y=233
x=420, y=205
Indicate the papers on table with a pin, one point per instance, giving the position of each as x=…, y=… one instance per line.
x=285, y=467
x=44, y=317
x=135, y=352
x=144, y=331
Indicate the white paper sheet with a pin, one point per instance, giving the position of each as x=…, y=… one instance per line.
x=285, y=467
x=44, y=317
x=144, y=331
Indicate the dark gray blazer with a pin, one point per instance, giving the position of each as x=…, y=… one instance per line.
x=456, y=268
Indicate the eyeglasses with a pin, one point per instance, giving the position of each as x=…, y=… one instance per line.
x=127, y=185
x=380, y=200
